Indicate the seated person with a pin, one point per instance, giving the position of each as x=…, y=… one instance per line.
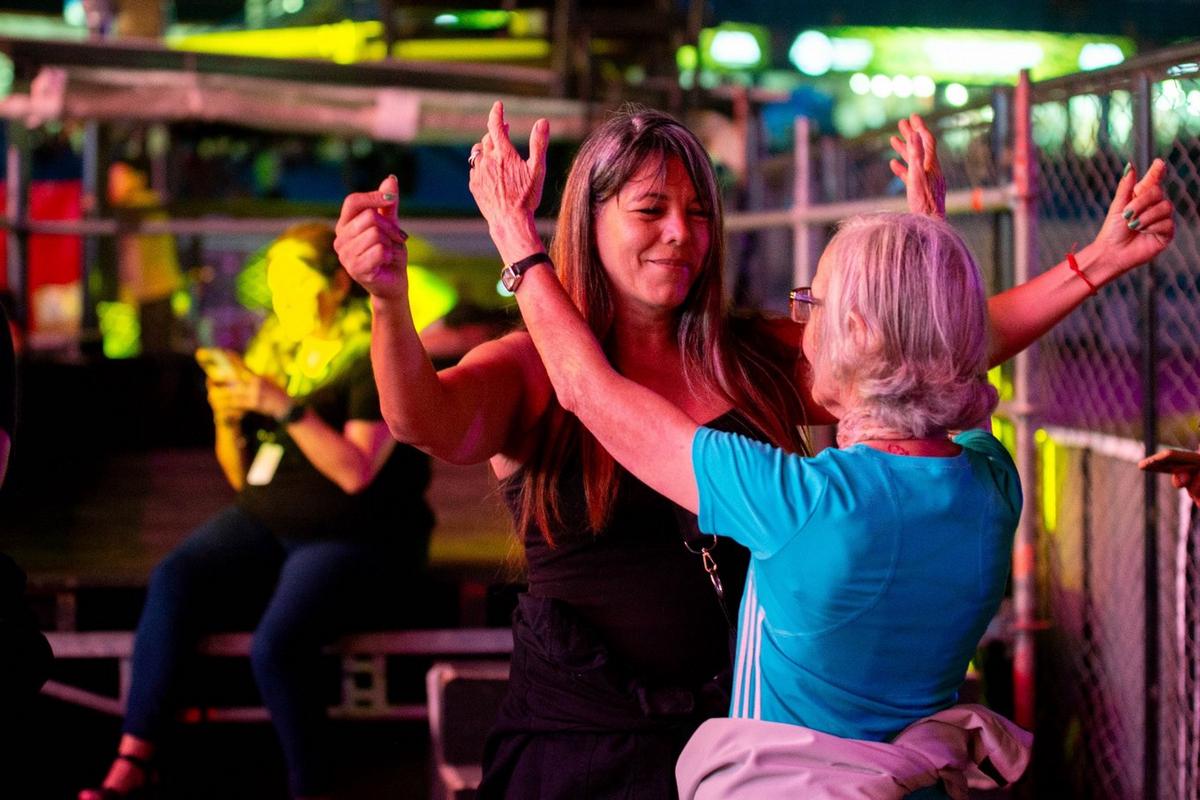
x=330, y=515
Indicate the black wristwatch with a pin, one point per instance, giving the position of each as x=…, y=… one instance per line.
x=510, y=276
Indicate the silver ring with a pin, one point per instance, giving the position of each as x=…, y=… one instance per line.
x=471, y=159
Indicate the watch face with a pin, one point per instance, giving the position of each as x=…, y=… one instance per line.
x=510, y=279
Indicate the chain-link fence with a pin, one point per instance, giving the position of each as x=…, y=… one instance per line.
x=1119, y=707
x=1077, y=411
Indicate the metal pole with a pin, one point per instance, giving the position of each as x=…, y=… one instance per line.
x=1143, y=144
x=16, y=215
x=561, y=44
x=1002, y=235
x=802, y=236
x=742, y=290
x=94, y=204
x=1025, y=260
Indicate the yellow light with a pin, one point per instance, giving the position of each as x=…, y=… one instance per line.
x=472, y=49
x=860, y=83
x=120, y=330
x=1002, y=382
x=181, y=304
x=429, y=296
x=686, y=58
x=1048, y=451
x=343, y=42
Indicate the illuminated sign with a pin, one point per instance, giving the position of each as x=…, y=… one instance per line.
x=966, y=55
x=732, y=47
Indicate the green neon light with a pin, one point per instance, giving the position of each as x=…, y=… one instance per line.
x=120, y=330
x=733, y=47
x=977, y=55
x=481, y=20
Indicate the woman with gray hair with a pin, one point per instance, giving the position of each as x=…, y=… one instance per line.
x=875, y=568
x=621, y=644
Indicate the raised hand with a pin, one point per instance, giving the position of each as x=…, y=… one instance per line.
x=1140, y=221
x=1190, y=480
x=506, y=187
x=246, y=391
x=370, y=242
x=919, y=168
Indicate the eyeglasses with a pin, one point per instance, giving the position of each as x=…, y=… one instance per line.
x=802, y=301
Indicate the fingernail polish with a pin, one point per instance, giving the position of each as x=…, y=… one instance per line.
x=1134, y=224
x=1127, y=213
x=389, y=197
x=1128, y=167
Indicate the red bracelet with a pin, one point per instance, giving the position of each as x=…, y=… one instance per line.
x=1074, y=265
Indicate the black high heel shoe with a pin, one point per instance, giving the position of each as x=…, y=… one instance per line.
x=145, y=791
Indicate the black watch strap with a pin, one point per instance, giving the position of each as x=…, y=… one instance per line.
x=512, y=274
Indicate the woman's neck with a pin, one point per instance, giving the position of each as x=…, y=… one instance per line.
x=645, y=349
x=926, y=446
x=644, y=338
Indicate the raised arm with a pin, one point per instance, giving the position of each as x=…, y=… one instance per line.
x=464, y=414
x=1138, y=226
x=648, y=435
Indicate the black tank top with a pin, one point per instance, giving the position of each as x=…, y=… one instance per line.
x=635, y=582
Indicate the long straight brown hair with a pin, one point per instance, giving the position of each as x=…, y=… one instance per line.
x=749, y=368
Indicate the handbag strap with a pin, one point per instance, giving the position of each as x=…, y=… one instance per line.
x=703, y=545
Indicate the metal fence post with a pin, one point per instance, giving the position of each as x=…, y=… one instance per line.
x=94, y=204
x=1144, y=145
x=802, y=235
x=1025, y=260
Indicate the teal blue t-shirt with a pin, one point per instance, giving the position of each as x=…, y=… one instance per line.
x=872, y=580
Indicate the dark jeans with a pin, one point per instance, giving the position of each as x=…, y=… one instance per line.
x=304, y=594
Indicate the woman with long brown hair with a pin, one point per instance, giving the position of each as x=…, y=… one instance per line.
x=622, y=642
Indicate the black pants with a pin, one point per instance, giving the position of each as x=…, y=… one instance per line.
x=572, y=726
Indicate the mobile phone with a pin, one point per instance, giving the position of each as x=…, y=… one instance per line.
x=1171, y=460
x=217, y=364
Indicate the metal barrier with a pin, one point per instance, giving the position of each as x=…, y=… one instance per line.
x=363, y=658
x=1121, y=666
x=1113, y=551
